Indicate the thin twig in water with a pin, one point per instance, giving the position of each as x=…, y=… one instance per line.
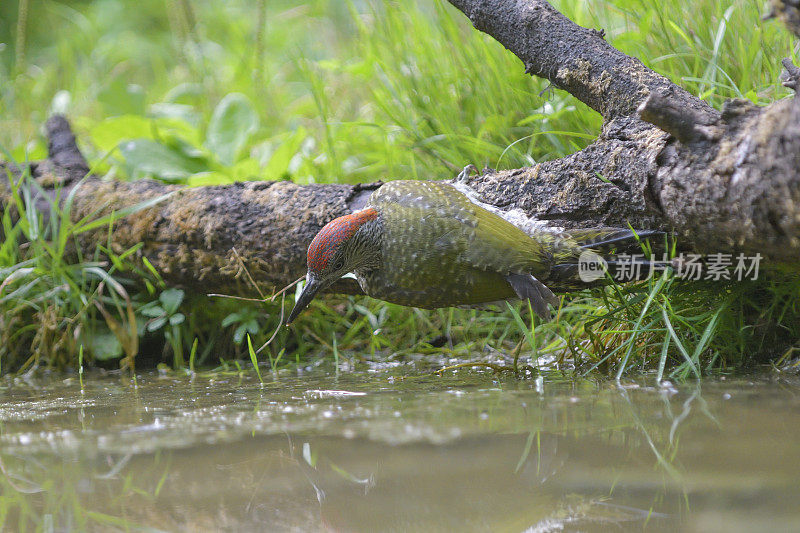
x=282, y=292
x=277, y=329
x=235, y=297
x=495, y=368
x=286, y=288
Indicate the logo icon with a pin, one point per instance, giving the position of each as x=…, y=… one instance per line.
x=591, y=266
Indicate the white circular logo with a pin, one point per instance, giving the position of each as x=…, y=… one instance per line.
x=591, y=266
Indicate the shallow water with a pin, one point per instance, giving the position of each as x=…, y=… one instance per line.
x=399, y=450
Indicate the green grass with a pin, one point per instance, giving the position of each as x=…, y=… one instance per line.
x=199, y=92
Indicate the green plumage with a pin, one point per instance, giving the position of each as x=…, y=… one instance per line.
x=439, y=249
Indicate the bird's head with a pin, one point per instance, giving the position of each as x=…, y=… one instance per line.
x=331, y=255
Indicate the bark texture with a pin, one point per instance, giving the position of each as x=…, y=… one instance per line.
x=575, y=59
x=725, y=181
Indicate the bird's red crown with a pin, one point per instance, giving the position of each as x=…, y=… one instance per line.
x=324, y=246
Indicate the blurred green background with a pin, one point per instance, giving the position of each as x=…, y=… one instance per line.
x=340, y=91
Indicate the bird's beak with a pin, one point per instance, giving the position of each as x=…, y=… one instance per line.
x=309, y=291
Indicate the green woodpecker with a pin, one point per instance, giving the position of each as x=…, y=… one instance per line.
x=427, y=244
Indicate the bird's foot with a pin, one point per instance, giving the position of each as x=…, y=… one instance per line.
x=790, y=77
x=463, y=176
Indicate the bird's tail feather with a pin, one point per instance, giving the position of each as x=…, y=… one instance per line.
x=565, y=275
x=610, y=244
x=604, y=240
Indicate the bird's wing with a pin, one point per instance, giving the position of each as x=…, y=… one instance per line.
x=425, y=223
x=505, y=248
x=462, y=230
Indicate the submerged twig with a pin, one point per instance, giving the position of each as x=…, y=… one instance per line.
x=289, y=286
x=278, y=327
x=494, y=367
x=282, y=292
x=232, y=297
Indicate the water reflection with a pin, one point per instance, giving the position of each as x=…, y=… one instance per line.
x=399, y=451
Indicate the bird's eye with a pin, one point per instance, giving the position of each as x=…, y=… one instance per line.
x=338, y=265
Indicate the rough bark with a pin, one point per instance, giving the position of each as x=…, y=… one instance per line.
x=573, y=58
x=725, y=181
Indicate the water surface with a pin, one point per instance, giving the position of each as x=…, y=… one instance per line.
x=399, y=450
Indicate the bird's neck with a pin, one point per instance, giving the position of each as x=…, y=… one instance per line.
x=364, y=248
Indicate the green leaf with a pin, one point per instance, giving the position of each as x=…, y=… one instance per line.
x=231, y=319
x=171, y=299
x=238, y=335
x=185, y=113
x=209, y=178
x=246, y=170
x=278, y=164
x=232, y=124
x=110, y=132
x=254, y=358
x=157, y=324
x=176, y=319
x=119, y=97
x=185, y=93
x=30, y=151
x=21, y=292
x=181, y=142
x=150, y=157
x=152, y=311
x=104, y=345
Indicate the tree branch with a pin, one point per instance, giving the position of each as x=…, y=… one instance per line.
x=684, y=123
x=574, y=58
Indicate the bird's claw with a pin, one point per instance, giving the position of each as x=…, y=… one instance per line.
x=790, y=76
x=463, y=176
